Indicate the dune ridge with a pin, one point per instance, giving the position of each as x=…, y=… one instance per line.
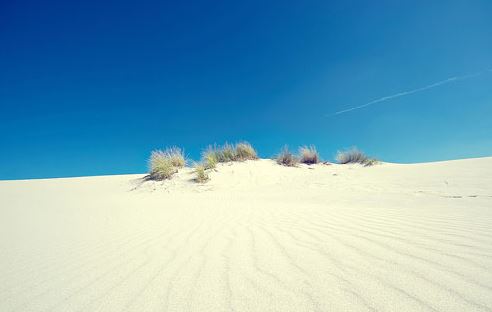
x=256, y=237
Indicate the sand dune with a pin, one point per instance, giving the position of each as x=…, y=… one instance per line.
x=257, y=237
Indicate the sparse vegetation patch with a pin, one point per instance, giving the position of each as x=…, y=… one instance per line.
x=163, y=164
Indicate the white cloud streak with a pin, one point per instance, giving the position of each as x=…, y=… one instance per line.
x=404, y=93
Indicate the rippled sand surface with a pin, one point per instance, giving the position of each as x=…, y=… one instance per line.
x=257, y=237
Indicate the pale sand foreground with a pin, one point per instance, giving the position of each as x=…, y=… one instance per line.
x=257, y=237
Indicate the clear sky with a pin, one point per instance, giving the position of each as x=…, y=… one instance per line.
x=91, y=87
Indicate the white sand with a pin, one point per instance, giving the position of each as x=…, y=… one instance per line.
x=257, y=237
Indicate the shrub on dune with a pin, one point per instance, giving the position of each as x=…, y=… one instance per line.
x=163, y=164
x=308, y=155
x=244, y=151
x=354, y=156
x=286, y=158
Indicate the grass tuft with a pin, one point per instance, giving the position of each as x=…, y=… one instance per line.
x=355, y=156
x=177, y=157
x=210, y=157
x=308, y=155
x=201, y=174
x=226, y=153
x=371, y=162
x=215, y=154
x=286, y=158
x=163, y=164
x=244, y=151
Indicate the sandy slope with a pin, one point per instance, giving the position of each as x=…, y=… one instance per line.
x=257, y=237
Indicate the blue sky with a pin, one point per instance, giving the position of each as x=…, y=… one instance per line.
x=91, y=87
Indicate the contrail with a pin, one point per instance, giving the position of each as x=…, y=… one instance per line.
x=397, y=95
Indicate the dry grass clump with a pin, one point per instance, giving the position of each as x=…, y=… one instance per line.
x=161, y=168
x=308, y=155
x=210, y=157
x=177, y=156
x=163, y=164
x=371, y=162
x=201, y=175
x=354, y=156
x=218, y=154
x=286, y=158
x=244, y=151
x=226, y=153
x=209, y=160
